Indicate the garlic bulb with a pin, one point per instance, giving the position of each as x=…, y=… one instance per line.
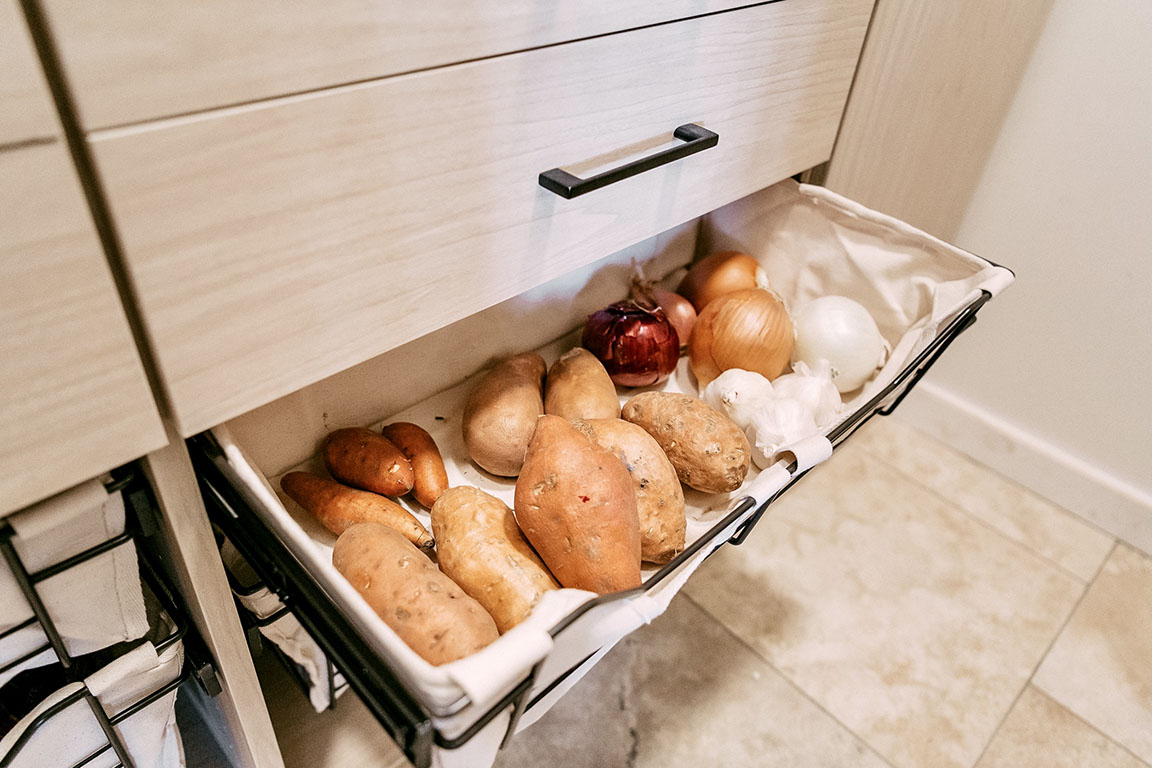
x=778, y=423
x=812, y=386
x=738, y=394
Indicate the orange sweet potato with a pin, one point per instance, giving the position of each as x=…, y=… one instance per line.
x=710, y=453
x=480, y=547
x=659, y=497
x=576, y=505
x=429, y=478
x=579, y=388
x=363, y=459
x=501, y=412
x=339, y=507
x=426, y=608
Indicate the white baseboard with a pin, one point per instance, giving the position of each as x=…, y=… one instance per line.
x=1082, y=488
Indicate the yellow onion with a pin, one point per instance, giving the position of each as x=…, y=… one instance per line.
x=720, y=273
x=747, y=329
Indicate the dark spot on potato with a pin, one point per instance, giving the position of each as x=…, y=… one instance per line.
x=585, y=499
x=402, y=614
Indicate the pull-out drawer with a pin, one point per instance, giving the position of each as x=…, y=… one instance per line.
x=276, y=244
x=75, y=400
x=132, y=61
x=922, y=294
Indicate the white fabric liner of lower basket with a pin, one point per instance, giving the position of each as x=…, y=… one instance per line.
x=150, y=735
x=95, y=604
x=288, y=635
x=812, y=242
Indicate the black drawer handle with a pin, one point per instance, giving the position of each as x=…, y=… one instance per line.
x=695, y=138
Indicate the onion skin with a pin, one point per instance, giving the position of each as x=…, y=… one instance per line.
x=747, y=329
x=718, y=274
x=678, y=309
x=638, y=345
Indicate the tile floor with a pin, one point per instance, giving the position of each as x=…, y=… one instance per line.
x=903, y=607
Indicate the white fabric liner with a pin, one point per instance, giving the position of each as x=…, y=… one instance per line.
x=93, y=605
x=287, y=633
x=812, y=242
x=151, y=735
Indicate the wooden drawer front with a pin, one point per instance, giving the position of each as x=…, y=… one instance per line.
x=74, y=401
x=130, y=61
x=272, y=246
x=26, y=110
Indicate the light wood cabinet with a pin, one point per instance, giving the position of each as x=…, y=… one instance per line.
x=296, y=193
x=75, y=401
x=26, y=111
x=131, y=61
x=275, y=245
x=933, y=87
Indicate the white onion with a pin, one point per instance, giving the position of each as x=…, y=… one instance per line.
x=842, y=332
x=738, y=394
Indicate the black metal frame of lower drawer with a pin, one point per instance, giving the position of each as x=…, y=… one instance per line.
x=139, y=524
x=232, y=507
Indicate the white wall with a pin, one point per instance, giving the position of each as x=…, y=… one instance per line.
x=1053, y=382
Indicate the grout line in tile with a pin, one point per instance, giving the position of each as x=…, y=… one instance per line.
x=1012, y=481
x=792, y=683
x=1030, y=550
x=1095, y=728
x=1043, y=656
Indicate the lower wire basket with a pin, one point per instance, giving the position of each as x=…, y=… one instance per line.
x=50, y=723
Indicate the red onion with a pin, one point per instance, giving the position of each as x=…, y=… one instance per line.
x=637, y=344
x=678, y=309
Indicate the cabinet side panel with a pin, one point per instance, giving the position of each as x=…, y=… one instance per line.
x=934, y=84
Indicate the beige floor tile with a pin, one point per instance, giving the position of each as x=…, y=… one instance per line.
x=1015, y=511
x=684, y=692
x=345, y=737
x=1101, y=666
x=906, y=619
x=1040, y=732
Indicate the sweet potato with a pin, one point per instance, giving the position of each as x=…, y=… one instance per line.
x=339, y=507
x=426, y=608
x=578, y=387
x=501, y=412
x=480, y=547
x=659, y=497
x=709, y=452
x=359, y=457
x=576, y=506
x=429, y=478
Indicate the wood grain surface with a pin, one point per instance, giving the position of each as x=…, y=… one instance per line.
x=130, y=61
x=935, y=81
x=193, y=562
x=26, y=110
x=75, y=401
x=277, y=244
